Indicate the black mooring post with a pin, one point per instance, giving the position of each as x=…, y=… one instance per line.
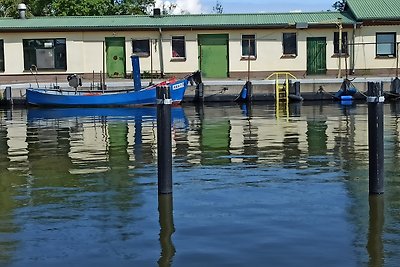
x=164, y=140
x=8, y=95
x=375, y=137
x=249, y=87
x=199, y=93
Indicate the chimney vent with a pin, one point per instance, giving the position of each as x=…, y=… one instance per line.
x=22, y=11
x=156, y=12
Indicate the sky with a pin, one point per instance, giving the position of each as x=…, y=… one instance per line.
x=248, y=6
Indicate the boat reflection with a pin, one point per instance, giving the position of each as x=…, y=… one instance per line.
x=111, y=113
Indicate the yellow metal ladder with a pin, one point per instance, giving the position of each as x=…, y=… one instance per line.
x=281, y=92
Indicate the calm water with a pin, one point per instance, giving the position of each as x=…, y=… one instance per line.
x=79, y=188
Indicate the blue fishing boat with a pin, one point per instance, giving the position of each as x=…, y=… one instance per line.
x=132, y=96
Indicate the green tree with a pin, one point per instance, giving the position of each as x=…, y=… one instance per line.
x=8, y=8
x=218, y=9
x=339, y=5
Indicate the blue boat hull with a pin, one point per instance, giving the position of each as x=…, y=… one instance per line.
x=48, y=97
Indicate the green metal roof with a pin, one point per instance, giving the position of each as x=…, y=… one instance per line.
x=375, y=9
x=173, y=21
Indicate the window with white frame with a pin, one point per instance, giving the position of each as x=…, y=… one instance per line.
x=289, y=43
x=178, y=47
x=45, y=54
x=248, y=45
x=141, y=47
x=386, y=44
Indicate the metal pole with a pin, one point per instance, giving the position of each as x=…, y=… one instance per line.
x=375, y=138
x=248, y=61
x=151, y=61
x=164, y=140
x=103, y=86
x=340, y=46
x=161, y=52
x=397, y=60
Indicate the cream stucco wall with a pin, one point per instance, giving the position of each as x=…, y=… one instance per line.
x=85, y=50
x=365, y=48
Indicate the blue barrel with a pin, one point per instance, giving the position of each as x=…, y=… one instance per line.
x=346, y=97
x=243, y=94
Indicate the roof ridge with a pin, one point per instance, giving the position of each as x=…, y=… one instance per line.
x=192, y=15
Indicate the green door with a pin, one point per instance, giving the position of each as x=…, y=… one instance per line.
x=213, y=55
x=115, y=57
x=316, y=55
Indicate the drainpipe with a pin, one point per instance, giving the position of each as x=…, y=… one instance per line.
x=160, y=47
x=340, y=25
x=353, y=50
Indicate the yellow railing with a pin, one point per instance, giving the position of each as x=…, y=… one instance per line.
x=281, y=91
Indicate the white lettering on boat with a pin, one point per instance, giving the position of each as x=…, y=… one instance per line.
x=178, y=86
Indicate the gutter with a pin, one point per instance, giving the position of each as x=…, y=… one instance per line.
x=161, y=52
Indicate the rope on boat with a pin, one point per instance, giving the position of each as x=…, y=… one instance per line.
x=322, y=90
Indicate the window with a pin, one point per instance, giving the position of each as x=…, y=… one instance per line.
x=289, y=43
x=345, y=49
x=45, y=54
x=141, y=47
x=386, y=44
x=178, y=47
x=248, y=45
x=2, y=68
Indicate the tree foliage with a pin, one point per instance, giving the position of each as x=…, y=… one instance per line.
x=339, y=5
x=75, y=7
x=218, y=9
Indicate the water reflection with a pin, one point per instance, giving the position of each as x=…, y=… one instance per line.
x=375, y=245
x=165, y=209
x=90, y=175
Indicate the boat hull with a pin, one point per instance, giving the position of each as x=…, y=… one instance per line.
x=48, y=97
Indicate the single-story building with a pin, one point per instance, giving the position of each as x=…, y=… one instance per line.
x=220, y=45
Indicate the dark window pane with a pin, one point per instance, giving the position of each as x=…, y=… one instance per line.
x=289, y=44
x=336, y=43
x=178, y=46
x=248, y=45
x=141, y=47
x=2, y=55
x=45, y=54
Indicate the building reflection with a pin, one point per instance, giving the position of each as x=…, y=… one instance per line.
x=9, y=181
x=107, y=152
